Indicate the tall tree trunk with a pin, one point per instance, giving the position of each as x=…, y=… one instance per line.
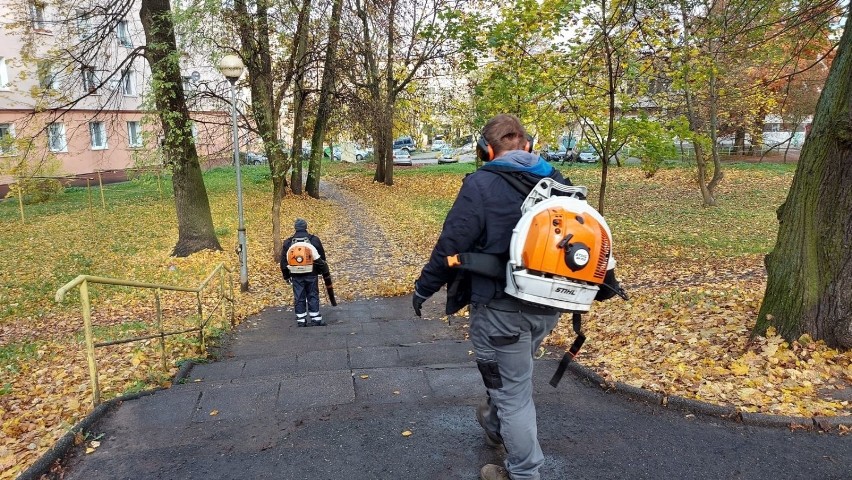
x=388, y=111
x=714, y=144
x=254, y=37
x=299, y=97
x=298, y=135
x=692, y=114
x=195, y=223
x=383, y=145
x=739, y=140
x=384, y=166
x=809, y=285
x=324, y=109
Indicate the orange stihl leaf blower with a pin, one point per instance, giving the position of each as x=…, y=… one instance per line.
x=560, y=250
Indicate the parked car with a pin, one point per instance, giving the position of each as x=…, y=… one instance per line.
x=361, y=154
x=252, y=158
x=404, y=143
x=401, y=157
x=561, y=154
x=588, y=154
x=438, y=145
x=448, y=155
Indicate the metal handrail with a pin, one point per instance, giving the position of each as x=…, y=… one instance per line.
x=82, y=282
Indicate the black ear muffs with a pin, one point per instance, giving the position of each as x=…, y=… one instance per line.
x=484, y=150
x=529, y=146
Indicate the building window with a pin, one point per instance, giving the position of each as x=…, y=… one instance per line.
x=38, y=17
x=134, y=134
x=97, y=130
x=123, y=32
x=46, y=75
x=90, y=80
x=128, y=83
x=84, y=25
x=56, y=137
x=7, y=138
x=4, y=74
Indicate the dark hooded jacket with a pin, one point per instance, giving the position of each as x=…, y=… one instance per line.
x=481, y=220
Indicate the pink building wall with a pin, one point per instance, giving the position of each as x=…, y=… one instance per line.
x=108, y=104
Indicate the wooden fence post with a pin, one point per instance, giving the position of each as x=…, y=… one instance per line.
x=89, y=193
x=20, y=200
x=101, y=183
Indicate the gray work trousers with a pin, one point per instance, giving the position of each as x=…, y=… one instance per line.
x=505, y=341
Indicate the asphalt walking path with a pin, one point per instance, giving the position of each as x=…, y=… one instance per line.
x=336, y=402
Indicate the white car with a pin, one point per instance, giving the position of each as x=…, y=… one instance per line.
x=438, y=145
x=588, y=155
x=402, y=157
x=361, y=154
x=448, y=155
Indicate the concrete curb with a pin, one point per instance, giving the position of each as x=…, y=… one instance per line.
x=66, y=442
x=587, y=374
x=783, y=421
x=701, y=408
x=637, y=393
x=698, y=407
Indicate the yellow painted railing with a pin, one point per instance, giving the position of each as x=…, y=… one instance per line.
x=83, y=282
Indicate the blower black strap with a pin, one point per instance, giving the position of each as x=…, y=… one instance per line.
x=571, y=353
x=484, y=264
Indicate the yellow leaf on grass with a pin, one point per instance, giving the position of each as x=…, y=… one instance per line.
x=738, y=368
x=137, y=358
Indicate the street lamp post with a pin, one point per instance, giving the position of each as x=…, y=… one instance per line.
x=232, y=68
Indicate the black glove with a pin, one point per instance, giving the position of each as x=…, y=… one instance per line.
x=417, y=301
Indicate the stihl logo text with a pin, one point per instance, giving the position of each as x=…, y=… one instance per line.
x=569, y=291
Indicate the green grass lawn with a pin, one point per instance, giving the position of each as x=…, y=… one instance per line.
x=650, y=218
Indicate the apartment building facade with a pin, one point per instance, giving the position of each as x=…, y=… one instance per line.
x=74, y=92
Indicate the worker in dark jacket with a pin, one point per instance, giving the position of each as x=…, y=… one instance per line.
x=305, y=285
x=504, y=331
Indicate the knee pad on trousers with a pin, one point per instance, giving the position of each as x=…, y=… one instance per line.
x=490, y=372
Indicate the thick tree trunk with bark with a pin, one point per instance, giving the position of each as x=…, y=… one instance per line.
x=809, y=285
x=195, y=223
x=383, y=147
x=324, y=109
x=384, y=164
x=299, y=96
